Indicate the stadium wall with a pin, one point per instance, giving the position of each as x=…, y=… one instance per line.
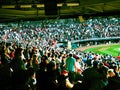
x=89, y=42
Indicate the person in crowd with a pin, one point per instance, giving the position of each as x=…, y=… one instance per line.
x=113, y=81
x=5, y=76
x=41, y=73
x=18, y=61
x=3, y=60
x=105, y=62
x=93, y=81
x=5, y=53
x=7, y=50
x=12, y=54
x=63, y=80
x=62, y=64
x=34, y=63
x=79, y=65
x=70, y=63
x=22, y=80
x=116, y=70
x=51, y=76
x=71, y=66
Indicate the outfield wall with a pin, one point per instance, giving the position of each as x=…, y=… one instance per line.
x=89, y=42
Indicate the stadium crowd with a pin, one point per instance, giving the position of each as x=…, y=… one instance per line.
x=30, y=60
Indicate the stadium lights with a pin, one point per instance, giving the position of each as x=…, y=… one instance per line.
x=72, y=4
x=59, y=5
x=38, y=5
x=8, y=6
x=25, y=6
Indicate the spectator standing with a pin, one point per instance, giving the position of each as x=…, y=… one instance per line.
x=70, y=63
x=71, y=67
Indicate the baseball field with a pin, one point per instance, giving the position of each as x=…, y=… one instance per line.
x=111, y=49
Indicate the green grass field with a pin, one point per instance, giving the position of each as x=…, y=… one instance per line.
x=113, y=49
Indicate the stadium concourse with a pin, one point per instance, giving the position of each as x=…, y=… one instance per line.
x=31, y=60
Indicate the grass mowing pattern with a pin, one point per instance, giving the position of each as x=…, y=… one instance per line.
x=113, y=49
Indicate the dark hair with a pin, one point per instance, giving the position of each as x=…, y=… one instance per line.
x=95, y=63
x=8, y=44
x=50, y=65
x=70, y=55
x=44, y=57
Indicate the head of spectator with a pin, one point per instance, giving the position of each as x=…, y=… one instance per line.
x=116, y=71
x=95, y=63
x=70, y=54
x=19, y=53
x=110, y=73
x=51, y=66
x=106, y=63
x=102, y=68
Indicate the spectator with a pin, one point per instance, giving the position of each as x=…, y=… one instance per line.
x=51, y=76
x=18, y=61
x=93, y=81
x=70, y=63
x=41, y=74
x=113, y=81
